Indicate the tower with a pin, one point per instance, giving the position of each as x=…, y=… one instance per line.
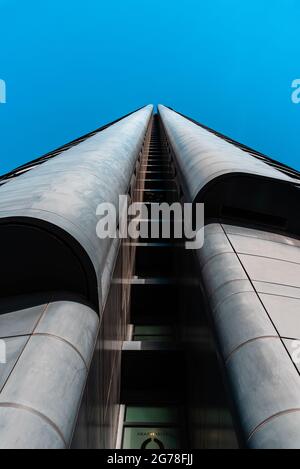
x=140, y=342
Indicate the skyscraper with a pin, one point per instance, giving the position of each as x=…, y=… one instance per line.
x=142, y=343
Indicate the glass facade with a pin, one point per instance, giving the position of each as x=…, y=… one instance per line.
x=152, y=428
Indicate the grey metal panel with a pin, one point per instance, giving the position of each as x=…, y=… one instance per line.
x=46, y=373
x=263, y=381
x=271, y=270
x=20, y=314
x=281, y=432
x=228, y=289
x=24, y=429
x=73, y=322
x=202, y=156
x=220, y=271
x=259, y=234
x=265, y=248
x=285, y=313
x=215, y=242
x=48, y=378
x=241, y=318
x=14, y=347
x=275, y=289
x=66, y=190
x=20, y=322
x=293, y=347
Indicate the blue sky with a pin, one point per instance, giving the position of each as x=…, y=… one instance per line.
x=71, y=66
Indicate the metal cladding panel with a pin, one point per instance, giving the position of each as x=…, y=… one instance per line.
x=282, y=432
x=33, y=431
x=285, y=314
x=14, y=347
x=272, y=270
x=46, y=373
x=74, y=323
x=48, y=378
x=202, y=156
x=255, y=311
x=247, y=319
x=64, y=191
x=265, y=383
x=275, y=289
x=19, y=322
x=294, y=351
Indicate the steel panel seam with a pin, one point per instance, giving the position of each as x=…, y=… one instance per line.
x=263, y=379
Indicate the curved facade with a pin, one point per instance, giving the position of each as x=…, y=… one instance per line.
x=50, y=340
x=232, y=182
x=92, y=325
x=51, y=211
x=250, y=270
x=252, y=282
x=56, y=319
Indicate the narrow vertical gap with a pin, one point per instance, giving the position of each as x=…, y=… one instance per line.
x=152, y=371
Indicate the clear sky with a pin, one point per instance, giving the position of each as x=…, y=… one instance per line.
x=73, y=65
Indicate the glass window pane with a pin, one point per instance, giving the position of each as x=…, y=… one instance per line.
x=154, y=330
x=161, y=415
x=154, y=338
